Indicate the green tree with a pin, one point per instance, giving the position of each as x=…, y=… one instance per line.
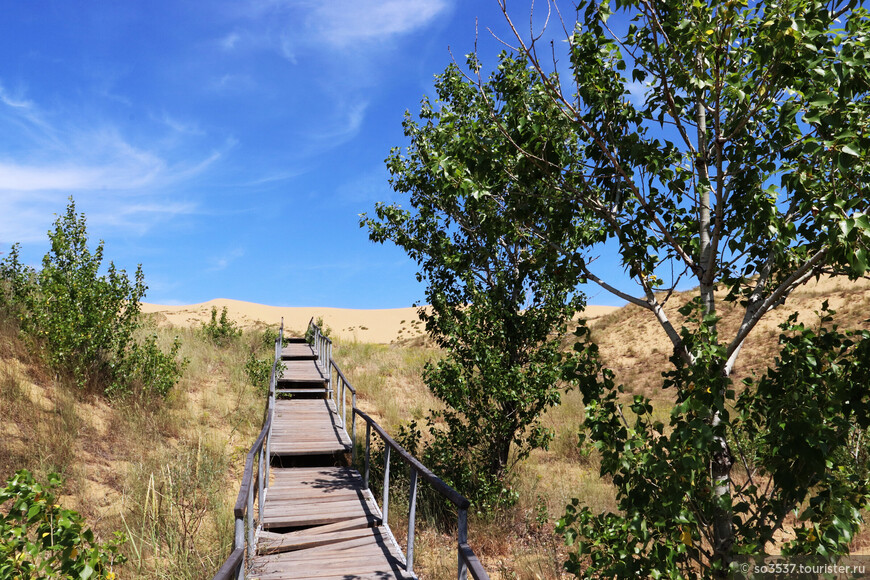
x=722, y=144
x=221, y=331
x=498, y=303
x=40, y=539
x=86, y=322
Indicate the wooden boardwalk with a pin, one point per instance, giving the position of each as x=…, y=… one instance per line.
x=301, y=511
x=307, y=427
x=317, y=521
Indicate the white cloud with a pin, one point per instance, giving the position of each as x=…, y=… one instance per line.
x=13, y=101
x=348, y=123
x=221, y=262
x=345, y=23
x=230, y=41
x=179, y=126
x=122, y=183
x=22, y=178
x=637, y=92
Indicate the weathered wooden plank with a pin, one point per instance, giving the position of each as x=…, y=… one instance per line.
x=368, y=557
x=301, y=370
x=289, y=544
x=351, y=524
x=298, y=351
x=307, y=427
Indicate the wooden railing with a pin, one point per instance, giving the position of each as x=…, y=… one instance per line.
x=246, y=526
x=467, y=561
x=338, y=388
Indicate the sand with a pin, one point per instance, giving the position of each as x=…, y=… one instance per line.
x=377, y=326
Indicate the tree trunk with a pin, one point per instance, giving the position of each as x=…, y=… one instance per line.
x=721, y=459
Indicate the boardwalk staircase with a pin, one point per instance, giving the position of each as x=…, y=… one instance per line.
x=304, y=510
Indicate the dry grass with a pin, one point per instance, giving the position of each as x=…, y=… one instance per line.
x=168, y=473
x=164, y=472
x=521, y=543
x=388, y=379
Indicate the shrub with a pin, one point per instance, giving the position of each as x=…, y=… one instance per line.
x=258, y=370
x=324, y=330
x=220, y=330
x=85, y=321
x=154, y=371
x=39, y=539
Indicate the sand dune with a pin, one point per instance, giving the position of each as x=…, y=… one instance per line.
x=380, y=326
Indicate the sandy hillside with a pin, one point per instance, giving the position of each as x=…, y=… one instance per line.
x=380, y=326
x=633, y=344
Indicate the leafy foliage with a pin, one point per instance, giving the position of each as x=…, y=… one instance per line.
x=719, y=143
x=806, y=422
x=221, y=330
x=258, y=371
x=324, y=330
x=497, y=302
x=40, y=539
x=84, y=321
x=808, y=418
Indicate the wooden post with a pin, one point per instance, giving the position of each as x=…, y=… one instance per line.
x=261, y=483
x=386, y=502
x=343, y=405
x=270, y=415
x=353, y=429
x=412, y=516
x=462, y=538
x=368, y=454
x=239, y=542
x=252, y=547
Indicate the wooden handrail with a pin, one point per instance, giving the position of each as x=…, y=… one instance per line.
x=471, y=561
x=436, y=482
x=342, y=377
x=231, y=567
x=248, y=475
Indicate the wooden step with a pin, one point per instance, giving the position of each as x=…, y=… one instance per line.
x=298, y=351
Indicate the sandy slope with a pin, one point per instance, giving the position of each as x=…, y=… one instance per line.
x=382, y=326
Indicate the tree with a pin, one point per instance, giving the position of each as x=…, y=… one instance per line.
x=86, y=322
x=741, y=166
x=498, y=304
x=40, y=539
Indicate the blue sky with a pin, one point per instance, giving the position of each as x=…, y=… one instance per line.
x=228, y=146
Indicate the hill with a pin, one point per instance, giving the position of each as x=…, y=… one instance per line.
x=633, y=343
x=167, y=474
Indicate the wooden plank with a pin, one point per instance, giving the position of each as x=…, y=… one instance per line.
x=289, y=544
x=298, y=351
x=368, y=557
x=307, y=427
x=351, y=524
x=304, y=497
x=301, y=371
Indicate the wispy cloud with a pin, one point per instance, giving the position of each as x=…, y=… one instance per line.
x=16, y=102
x=222, y=262
x=125, y=182
x=347, y=123
x=230, y=41
x=346, y=23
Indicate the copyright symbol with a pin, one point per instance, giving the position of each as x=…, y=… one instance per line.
x=744, y=568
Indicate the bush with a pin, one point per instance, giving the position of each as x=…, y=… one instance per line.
x=154, y=371
x=258, y=371
x=83, y=321
x=220, y=331
x=324, y=330
x=39, y=539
